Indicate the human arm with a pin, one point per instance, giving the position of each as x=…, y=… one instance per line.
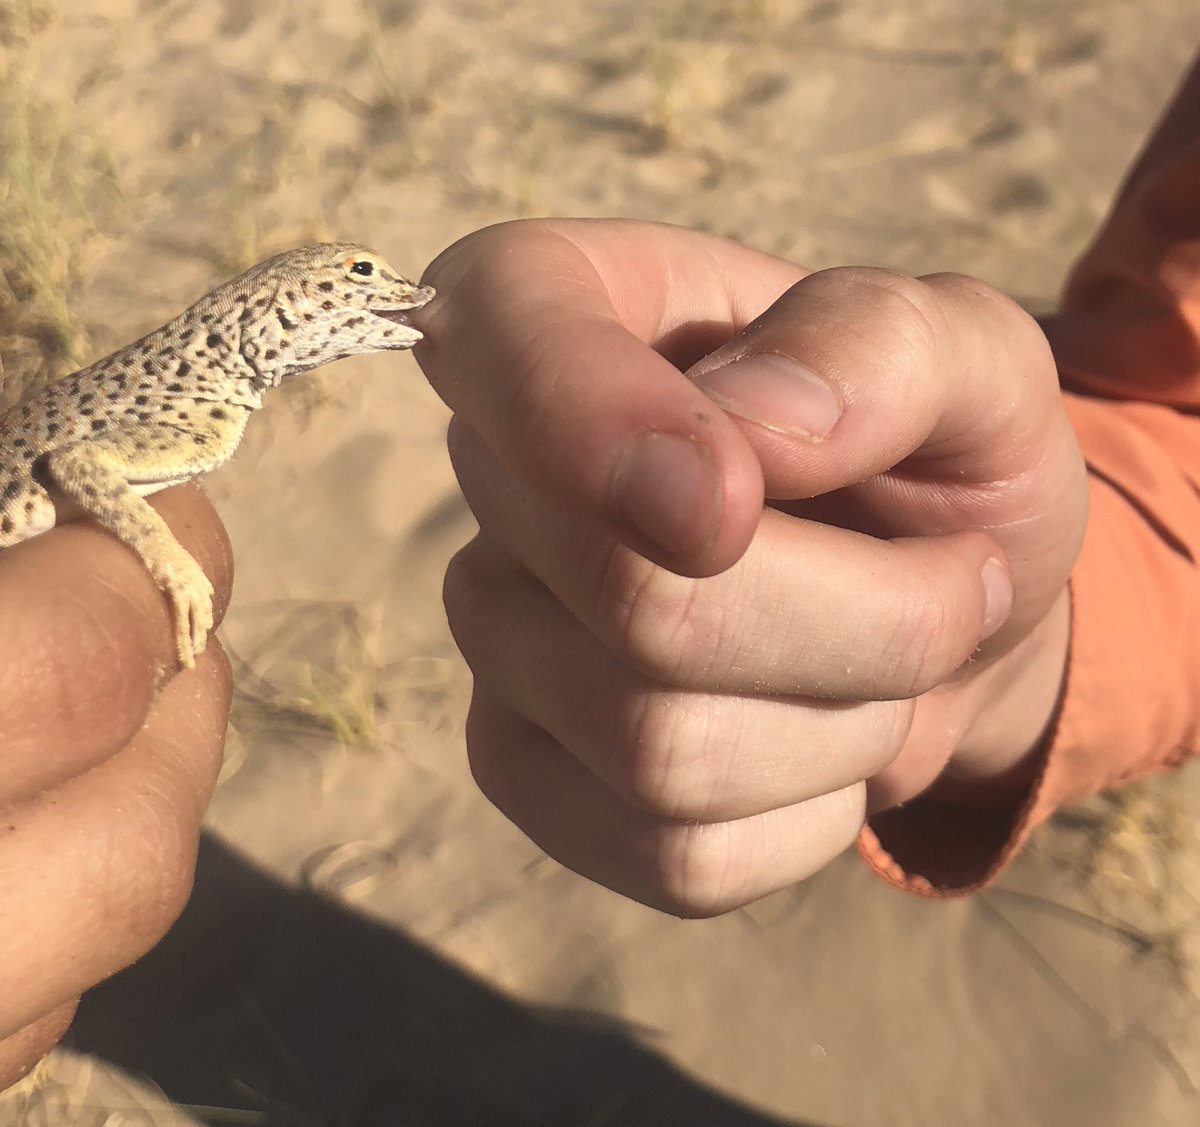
x=108, y=763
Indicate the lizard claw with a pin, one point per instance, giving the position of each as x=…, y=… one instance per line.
x=191, y=597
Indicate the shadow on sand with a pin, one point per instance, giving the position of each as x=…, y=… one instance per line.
x=301, y=1012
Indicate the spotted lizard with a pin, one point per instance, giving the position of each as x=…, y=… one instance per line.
x=175, y=404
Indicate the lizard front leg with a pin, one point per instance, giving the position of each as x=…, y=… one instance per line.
x=105, y=475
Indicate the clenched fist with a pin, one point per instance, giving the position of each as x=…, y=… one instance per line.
x=684, y=693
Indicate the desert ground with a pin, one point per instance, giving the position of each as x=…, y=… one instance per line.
x=369, y=942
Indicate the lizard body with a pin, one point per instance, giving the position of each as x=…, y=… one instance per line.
x=175, y=404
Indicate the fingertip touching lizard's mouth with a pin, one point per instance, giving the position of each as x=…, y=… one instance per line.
x=413, y=304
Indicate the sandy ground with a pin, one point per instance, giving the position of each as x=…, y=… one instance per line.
x=370, y=943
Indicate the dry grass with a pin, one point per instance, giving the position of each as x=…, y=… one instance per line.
x=694, y=75
x=335, y=690
x=319, y=669
x=69, y=1089
x=56, y=191
x=1141, y=864
x=631, y=116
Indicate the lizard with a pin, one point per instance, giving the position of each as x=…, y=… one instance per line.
x=175, y=404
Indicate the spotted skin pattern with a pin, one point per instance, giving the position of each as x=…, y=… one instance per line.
x=175, y=404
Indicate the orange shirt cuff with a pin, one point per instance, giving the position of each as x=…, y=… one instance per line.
x=1132, y=687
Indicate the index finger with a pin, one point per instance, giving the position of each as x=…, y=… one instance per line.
x=562, y=342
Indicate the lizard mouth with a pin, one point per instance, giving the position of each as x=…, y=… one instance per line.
x=410, y=301
x=405, y=335
x=396, y=316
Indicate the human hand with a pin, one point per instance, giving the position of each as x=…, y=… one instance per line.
x=109, y=761
x=678, y=693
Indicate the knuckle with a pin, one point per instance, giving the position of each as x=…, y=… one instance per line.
x=705, y=869
x=974, y=289
x=498, y=741
x=906, y=305
x=975, y=292
x=668, y=755
x=485, y=764
x=925, y=645
x=486, y=596
x=873, y=279
x=699, y=871
x=656, y=621
x=881, y=284
x=462, y=440
x=991, y=307
x=458, y=584
x=464, y=594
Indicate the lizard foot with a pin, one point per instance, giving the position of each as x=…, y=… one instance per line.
x=190, y=594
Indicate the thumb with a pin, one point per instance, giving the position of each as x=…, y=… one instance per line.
x=854, y=371
x=929, y=406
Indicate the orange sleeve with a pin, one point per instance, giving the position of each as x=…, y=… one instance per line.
x=1127, y=341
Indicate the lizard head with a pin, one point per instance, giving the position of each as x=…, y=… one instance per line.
x=322, y=303
x=346, y=299
x=307, y=307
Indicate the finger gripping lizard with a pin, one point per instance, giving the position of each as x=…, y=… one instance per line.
x=175, y=404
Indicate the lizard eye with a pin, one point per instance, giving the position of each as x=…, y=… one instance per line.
x=366, y=269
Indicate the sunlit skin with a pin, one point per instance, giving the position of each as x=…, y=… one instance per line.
x=107, y=755
x=679, y=694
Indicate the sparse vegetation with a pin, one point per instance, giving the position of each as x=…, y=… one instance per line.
x=1142, y=852
x=825, y=130
x=337, y=693
x=341, y=686
x=55, y=191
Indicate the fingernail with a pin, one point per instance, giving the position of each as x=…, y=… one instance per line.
x=997, y=597
x=774, y=392
x=665, y=487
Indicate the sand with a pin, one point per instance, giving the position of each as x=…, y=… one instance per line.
x=370, y=942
